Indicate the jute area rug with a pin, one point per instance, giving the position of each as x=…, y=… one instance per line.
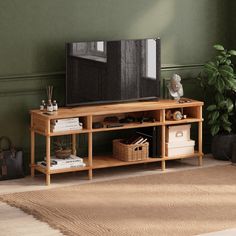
x=178, y=203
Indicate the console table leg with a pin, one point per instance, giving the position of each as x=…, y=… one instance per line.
x=90, y=155
x=200, y=160
x=163, y=138
x=48, y=159
x=163, y=165
x=32, y=153
x=200, y=143
x=48, y=179
x=74, y=144
x=90, y=174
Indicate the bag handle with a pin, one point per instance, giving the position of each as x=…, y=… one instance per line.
x=5, y=138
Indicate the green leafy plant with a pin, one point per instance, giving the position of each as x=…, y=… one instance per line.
x=219, y=78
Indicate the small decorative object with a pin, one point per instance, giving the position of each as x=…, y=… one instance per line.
x=49, y=91
x=55, y=106
x=62, y=149
x=175, y=87
x=50, y=107
x=97, y=125
x=111, y=119
x=176, y=115
x=43, y=105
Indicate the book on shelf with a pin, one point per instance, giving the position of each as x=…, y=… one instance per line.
x=135, y=139
x=56, y=163
x=131, y=139
x=144, y=141
x=65, y=121
x=139, y=141
x=66, y=128
x=71, y=159
x=66, y=124
x=61, y=166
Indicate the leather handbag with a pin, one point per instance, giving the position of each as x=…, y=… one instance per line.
x=11, y=160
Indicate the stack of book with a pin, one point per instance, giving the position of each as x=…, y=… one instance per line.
x=66, y=124
x=70, y=162
x=136, y=139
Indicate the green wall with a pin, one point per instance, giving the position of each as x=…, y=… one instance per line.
x=232, y=24
x=33, y=33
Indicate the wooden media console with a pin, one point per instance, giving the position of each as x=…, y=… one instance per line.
x=41, y=122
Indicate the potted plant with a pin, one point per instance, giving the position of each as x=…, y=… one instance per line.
x=62, y=149
x=219, y=80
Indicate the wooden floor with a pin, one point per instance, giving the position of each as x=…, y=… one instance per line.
x=25, y=225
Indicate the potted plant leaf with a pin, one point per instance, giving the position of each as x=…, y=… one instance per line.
x=219, y=80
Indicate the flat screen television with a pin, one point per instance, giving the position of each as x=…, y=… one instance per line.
x=112, y=71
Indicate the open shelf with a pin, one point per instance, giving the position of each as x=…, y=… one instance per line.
x=106, y=161
x=196, y=153
x=62, y=170
x=129, y=126
x=69, y=132
x=184, y=121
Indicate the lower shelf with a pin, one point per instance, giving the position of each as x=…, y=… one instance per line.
x=196, y=153
x=63, y=170
x=107, y=161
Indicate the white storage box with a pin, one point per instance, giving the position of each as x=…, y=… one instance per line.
x=174, y=149
x=178, y=133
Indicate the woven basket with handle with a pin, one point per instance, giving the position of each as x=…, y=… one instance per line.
x=130, y=152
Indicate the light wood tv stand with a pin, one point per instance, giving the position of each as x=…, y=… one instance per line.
x=40, y=124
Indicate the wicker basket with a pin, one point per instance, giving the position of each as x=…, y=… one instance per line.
x=130, y=152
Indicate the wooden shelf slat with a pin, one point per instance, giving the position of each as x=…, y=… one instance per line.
x=69, y=132
x=196, y=153
x=106, y=161
x=40, y=169
x=129, y=126
x=62, y=170
x=126, y=126
x=116, y=108
x=188, y=120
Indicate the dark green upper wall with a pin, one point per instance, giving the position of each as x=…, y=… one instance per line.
x=232, y=24
x=33, y=32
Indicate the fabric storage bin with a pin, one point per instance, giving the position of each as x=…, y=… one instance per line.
x=180, y=148
x=178, y=133
x=130, y=152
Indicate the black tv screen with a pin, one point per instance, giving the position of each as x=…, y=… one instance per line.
x=112, y=71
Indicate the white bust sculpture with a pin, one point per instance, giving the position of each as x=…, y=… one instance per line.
x=175, y=87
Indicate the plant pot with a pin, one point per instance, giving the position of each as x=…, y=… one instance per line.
x=222, y=146
x=63, y=153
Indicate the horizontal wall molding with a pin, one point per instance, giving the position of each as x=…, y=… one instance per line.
x=29, y=84
x=181, y=67
x=20, y=92
x=34, y=83
x=31, y=76
x=63, y=73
